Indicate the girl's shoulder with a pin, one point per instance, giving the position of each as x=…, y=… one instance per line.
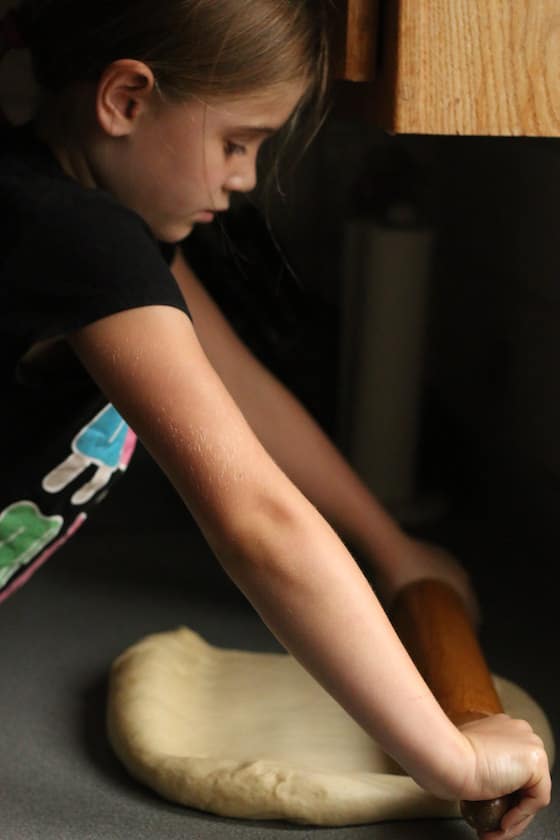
x=78, y=251
x=36, y=190
x=52, y=214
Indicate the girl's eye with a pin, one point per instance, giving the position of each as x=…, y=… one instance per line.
x=234, y=148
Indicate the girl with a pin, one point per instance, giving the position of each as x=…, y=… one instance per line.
x=151, y=117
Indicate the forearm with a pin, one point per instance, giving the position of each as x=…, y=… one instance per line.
x=314, y=598
x=308, y=456
x=318, y=468
x=291, y=436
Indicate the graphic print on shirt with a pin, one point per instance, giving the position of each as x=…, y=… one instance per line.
x=106, y=442
x=24, y=532
x=27, y=535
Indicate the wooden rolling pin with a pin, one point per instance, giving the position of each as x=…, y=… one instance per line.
x=435, y=629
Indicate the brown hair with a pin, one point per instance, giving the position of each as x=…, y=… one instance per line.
x=206, y=48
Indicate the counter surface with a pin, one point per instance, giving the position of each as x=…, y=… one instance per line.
x=114, y=583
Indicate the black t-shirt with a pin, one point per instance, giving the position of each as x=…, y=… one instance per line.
x=68, y=257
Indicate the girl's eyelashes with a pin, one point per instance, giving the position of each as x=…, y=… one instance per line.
x=232, y=148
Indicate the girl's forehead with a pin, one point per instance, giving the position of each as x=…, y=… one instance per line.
x=269, y=108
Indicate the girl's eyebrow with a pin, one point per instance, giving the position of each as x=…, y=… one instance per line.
x=253, y=130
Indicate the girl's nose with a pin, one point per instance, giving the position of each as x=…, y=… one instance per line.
x=243, y=178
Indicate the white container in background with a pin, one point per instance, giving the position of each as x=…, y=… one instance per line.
x=386, y=274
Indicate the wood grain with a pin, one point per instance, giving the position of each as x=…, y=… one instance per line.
x=354, y=33
x=437, y=633
x=361, y=40
x=480, y=67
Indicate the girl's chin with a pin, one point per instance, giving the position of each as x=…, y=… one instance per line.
x=174, y=230
x=173, y=234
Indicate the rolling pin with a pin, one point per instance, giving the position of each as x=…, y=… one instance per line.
x=433, y=625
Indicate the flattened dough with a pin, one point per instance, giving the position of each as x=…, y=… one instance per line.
x=253, y=736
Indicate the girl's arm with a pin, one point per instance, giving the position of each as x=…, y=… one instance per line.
x=289, y=562
x=306, y=454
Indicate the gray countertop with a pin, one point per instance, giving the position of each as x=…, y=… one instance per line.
x=126, y=576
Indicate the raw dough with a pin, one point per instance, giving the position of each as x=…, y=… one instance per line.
x=252, y=735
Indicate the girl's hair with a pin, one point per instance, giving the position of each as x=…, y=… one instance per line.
x=203, y=48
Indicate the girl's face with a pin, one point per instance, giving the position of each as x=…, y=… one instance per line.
x=185, y=160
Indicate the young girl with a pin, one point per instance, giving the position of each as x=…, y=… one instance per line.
x=151, y=117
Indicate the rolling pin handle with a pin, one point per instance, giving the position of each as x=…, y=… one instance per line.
x=433, y=625
x=487, y=815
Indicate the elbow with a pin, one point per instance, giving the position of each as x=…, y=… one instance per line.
x=266, y=534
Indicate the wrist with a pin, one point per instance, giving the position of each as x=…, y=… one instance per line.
x=449, y=778
x=385, y=548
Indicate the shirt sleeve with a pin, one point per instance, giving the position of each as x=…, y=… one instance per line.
x=86, y=260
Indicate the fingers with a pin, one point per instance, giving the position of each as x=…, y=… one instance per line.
x=508, y=834
x=522, y=767
x=531, y=800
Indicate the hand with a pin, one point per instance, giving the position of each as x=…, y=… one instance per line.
x=508, y=756
x=415, y=560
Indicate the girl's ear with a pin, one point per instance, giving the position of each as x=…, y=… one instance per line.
x=123, y=94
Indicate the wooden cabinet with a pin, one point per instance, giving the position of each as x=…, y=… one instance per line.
x=355, y=25
x=484, y=67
